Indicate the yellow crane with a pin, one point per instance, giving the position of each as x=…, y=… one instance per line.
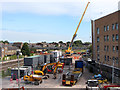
x=69, y=51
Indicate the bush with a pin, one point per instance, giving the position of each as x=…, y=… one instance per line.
x=3, y=73
x=8, y=73
x=3, y=59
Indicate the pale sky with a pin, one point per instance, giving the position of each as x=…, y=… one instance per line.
x=50, y=20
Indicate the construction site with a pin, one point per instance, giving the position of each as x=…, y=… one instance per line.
x=64, y=69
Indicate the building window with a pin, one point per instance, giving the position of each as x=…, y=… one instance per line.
x=113, y=58
x=98, y=57
x=107, y=27
x=113, y=37
x=104, y=48
x=97, y=48
x=97, y=30
x=104, y=28
x=116, y=37
x=107, y=38
x=117, y=48
x=113, y=48
x=107, y=48
x=104, y=38
x=113, y=26
x=116, y=26
x=117, y=60
x=97, y=39
x=107, y=58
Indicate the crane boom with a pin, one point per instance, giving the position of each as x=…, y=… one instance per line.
x=70, y=45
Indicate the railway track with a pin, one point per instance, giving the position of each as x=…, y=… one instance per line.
x=10, y=64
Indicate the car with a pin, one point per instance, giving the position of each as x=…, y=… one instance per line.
x=92, y=84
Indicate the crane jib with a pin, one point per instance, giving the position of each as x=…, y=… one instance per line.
x=70, y=45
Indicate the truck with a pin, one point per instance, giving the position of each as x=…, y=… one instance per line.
x=71, y=78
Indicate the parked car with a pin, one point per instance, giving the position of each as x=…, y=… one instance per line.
x=92, y=84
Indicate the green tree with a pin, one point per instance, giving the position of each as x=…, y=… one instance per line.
x=1, y=41
x=60, y=42
x=87, y=43
x=77, y=43
x=6, y=42
x=68, y=43
x=90, y=48
x=25, y=49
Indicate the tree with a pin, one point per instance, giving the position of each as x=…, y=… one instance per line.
x=6, y=42
x=68, y=43
x=77, y=43
x=87, y=43
x=90, y=48
x=25, y=49
x=60, y=42
x=1, y=41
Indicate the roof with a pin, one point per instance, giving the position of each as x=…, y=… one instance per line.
x=33, y=56
x=12, y=48
x=107, y=15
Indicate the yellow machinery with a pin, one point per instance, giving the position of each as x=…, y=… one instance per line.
x=69, y=51
x=36, y=79
x=71, y=78
x=43, y=72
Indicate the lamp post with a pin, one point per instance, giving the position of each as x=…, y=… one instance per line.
x=18, y=53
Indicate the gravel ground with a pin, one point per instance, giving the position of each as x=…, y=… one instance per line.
x=50, y=82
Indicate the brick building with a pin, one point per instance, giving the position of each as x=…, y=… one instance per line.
x=106, y=44
x=105, y=33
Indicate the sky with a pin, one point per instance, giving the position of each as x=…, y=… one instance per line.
x=50, y=20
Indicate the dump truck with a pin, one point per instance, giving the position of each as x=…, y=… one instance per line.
x=71, y=78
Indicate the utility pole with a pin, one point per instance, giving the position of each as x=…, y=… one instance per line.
x=18, y=53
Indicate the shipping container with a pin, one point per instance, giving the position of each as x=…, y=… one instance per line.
x=23, y=71
x=31, y=61
x=41, y=59
x=66, y=61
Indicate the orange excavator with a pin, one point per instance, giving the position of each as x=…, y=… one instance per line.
x=69, y=51
x=56, y=66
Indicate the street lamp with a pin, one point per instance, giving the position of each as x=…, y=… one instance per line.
x=18, y=53
x=113, y=70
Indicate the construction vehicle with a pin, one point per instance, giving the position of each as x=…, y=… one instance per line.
x=43, y=72
x=71, y=78
x=100, y=79
x=69, y=51
x=36, y=79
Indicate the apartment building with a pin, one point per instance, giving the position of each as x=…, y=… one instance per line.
x=105, y=39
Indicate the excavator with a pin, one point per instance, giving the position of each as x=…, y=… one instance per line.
x=69, y=51
x=55, y=65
